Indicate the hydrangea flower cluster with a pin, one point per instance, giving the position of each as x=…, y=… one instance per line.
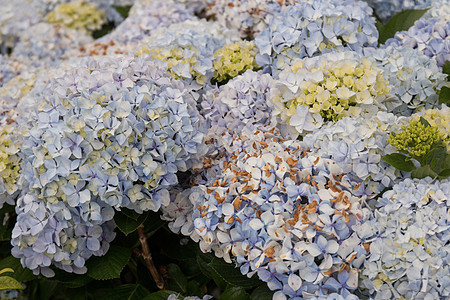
x=110, y=133
x=242, y=102
x=416, y=139
x=145, y=18
x=51, y=232
x=281, y=213
x=9, y=68
x=16, y=17
x=437, y=118
x=10, y=160
x=14, y=91
x=310, y=28
x=250, y=17
x=328, y=87
x=45, y=43
x=414, y=78
x=77, y=15
x=430, y=36
x=409, y=242
x=357, y=146
x=188, y=48
x=234, y=59
x=439, y=8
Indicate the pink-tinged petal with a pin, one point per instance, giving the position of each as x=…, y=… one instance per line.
x=294, y=282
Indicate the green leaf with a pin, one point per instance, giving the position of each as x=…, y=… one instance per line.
x=46, y=288
x=234, y=292
x=435, y=158
x=109, y=266
x=123, y=10
x=262, y=292
x=232, y=275
x=444, y=95
x=193, y=289
x=7, y=283
x=127, y=224
x=6, y=270
x=130, y=213
x=177, y=280
x=399, y=161
x=183, y=253
x=424, y=122
x=106, y=28
x=128, y=292
x=446, y=164
x=401, y=21
x=153, y=223
x=446, y=68
x=423, y=172
x=161, y=295
x=20, y=274
x=71, y=280
x=219, y=280
x=203, y=260
x=444, y=174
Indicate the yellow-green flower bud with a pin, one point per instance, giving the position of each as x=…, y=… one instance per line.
x=416, y=139
x=78, y=15
x=235, y=59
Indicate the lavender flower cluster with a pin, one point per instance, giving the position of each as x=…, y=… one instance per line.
x=103, y=137
x=430, y=36
x=283, y=135
x=310, y=28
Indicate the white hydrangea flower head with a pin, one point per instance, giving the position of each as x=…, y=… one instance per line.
x=250, y=17
x=16, y=17
x=438, y=9
x=414, y=78
x=77, y=15
x=328, y=87
x=409, y=242
x=45, y=44
x=144, y=19
x=9, y=68
x=242, y=102
x=310, y=28
x=11, y=138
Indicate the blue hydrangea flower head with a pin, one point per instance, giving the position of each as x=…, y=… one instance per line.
x=309, y=28
x=430, y=36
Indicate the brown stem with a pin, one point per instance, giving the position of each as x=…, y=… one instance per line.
x=148, y=259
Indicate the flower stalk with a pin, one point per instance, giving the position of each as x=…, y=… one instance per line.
x=148, y=259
